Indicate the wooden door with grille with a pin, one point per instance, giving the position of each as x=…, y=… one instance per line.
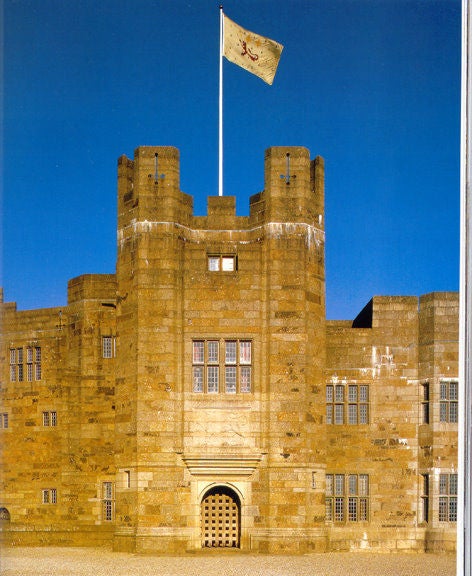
x=220, y=513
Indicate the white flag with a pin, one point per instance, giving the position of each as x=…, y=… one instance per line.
x=255, y=53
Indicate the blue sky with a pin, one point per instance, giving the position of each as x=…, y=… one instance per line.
x=373, y=86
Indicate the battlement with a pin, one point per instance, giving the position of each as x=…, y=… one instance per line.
x=439, y=315
x=149, y=191
x=92, y=287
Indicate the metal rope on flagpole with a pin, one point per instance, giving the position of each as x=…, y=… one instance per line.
x=220, y=108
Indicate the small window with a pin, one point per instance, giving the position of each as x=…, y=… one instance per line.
x=339, y=484
x=222, y=263
x=108, y=347
x=13, y=364
x=245, y=379
x=107, y=490
x=198, y=378
x=329, y=485
x=213, y=373
x=230, y=379
x=4, y=420
x=19, y=358
x=352, y=484
x=227, y=263
x=425, y=403
x=213, y=348
x=363, y=485
x=230, y=352
x=49, y=496
x=363, y=414
x=339, y=413
x=425, y=497
x=108, y=501
x=329, y=393
x=329, y=413
x=213, y=263
x=50, y=418
x=29, y=364
x=198, y=352
x=245, y=347
x=352, y=393
x=352, y=414
x=37, y=365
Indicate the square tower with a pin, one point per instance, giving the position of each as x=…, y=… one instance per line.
x=220, y=359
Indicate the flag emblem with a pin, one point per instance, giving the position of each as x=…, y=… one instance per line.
x=254, y=53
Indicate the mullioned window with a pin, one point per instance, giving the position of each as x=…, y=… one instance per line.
x=347, y=404
x=347, y=497
x=448, y=401
x=25, y=364
x=222, y=366
x=447, y=498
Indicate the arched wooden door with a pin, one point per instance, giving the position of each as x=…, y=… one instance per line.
x=221, y=518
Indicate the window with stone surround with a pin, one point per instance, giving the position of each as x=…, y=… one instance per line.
x=222, y=366
x=19, y=365
x=448, y=397
x=222, y=263
x=347, y=404
x=29, y=363
x=447, y=498
x=425, y=403
x=108, y=501
x=4, y=420
x=49, y=495
x=12, y=364
x=50, y=418
x=108, y=347
x=37, y=363
x=347, y=497
x=25, y=363
x=424, y=512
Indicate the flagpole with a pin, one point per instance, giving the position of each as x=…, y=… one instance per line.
x=220, y=116
x=464, y=508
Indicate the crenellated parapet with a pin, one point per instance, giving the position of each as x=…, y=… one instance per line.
x=149, y=191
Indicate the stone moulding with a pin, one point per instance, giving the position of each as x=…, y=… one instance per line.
x=222, y=465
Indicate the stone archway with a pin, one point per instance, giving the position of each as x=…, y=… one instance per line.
x=221, y=518
x=4, y=515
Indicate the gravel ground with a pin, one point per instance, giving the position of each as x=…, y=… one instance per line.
x=97, y=562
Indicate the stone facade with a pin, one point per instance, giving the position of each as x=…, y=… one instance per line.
x=200, y=398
